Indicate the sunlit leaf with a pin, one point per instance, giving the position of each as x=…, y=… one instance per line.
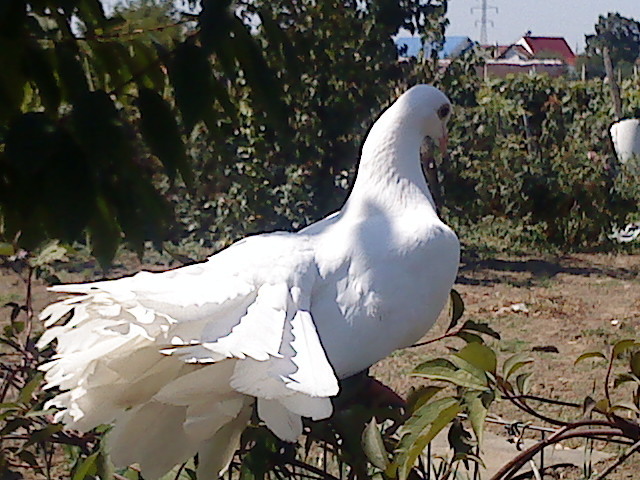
x=373, y=445
x=523, y=382
x=625, y=406
x=446, y=371
x=50, y=253
x=587, y=355
x=480, y=356
x=421, y=428
x=477, y=406
x=622, y=346
x=86, y=467
x=514, y=363
x=6, y=249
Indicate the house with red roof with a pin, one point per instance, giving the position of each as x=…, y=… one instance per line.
x=548, y=47
x=550, y=55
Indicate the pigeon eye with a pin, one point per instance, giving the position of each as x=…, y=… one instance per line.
x=443, y=111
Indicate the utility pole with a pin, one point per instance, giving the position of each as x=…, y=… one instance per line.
x=483, y=20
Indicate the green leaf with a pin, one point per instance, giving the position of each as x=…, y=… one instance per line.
x=373, y=445
x=469, y=337
x=515, y=363
x=603, y=406
x=421, y=428
x=622, y=346
x=625, y=406
x=27, y=391
x=86, y=468
x=587, y=355
x=145, y=63
x=105, y=233
x=479, y=356
x=6, y=249
x=161, y=132
x=49, y=254
x=261, y=79
x=13, y=425
x=114, y=60
x=460, y=440
x=28, y=457
x=634, y=364
x=477, y=406
x=40, y=70
x=192, y=81
x=480, y=327
x=72, y=75
x=99, y=128
x=457, y=308
x=214, y=23
x=623, y=378
x=523, y=383
x=443, y=370
x=40, y=413
x=421, y=395
x=43, y=434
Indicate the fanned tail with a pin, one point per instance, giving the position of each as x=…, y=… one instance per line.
x=178, y=374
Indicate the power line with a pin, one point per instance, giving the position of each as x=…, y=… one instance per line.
x=483, y=20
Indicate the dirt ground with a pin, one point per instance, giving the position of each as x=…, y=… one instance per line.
x=553, y=307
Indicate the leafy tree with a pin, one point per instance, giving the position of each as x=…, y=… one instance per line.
x=617, y=39
x=619, y=34
x=154, y=21
x=94, y=115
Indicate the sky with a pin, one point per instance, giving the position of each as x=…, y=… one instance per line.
x=571, y=19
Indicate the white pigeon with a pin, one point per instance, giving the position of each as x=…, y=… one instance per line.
x=176, y=360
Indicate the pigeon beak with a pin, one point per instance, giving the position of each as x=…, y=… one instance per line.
x=444, y=142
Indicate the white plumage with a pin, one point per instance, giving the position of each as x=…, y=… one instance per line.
x=176, y=360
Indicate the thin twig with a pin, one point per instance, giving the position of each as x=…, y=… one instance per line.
x=572, y=431
x=317, y=471
x=451, y=333
x=606, y=379
x=29, y=304
x=542, y=399
x=534, y=413
x=623, y=458
x=177, y=477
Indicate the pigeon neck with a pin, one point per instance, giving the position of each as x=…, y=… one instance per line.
x=390, y=163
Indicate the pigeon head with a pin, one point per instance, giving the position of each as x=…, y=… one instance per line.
x=422, y=111
x=428, y=109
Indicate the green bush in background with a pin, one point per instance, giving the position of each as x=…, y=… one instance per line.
x=537, y=151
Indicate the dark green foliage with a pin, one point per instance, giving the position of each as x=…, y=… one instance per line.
x=538, y=150
x=286, y=160
x=619, y=34
x=160, y=129
x=280, y=106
